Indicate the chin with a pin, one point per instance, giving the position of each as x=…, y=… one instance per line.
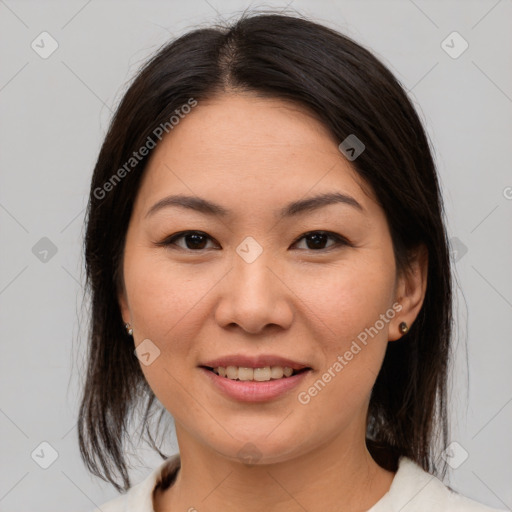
x=260, y=450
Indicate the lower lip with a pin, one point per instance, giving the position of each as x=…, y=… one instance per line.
x=254, y=391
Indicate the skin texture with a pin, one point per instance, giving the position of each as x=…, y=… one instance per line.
x=254, y=156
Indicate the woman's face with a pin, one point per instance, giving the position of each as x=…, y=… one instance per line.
x=260, y=283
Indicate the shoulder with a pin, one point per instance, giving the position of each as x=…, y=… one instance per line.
x=140, y=497
x=415, y=490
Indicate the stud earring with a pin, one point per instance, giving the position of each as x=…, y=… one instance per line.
x=129, y=329
x=403, y=327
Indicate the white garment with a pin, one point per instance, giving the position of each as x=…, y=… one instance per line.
x=412, y=490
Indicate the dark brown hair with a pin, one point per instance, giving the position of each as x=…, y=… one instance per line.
x=351, y=92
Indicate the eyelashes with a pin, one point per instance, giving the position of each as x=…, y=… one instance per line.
x=196, y=236
x=199, y=239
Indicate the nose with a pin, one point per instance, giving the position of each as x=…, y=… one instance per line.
x=254, y=297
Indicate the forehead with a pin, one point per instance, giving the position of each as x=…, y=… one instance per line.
x=241, y=147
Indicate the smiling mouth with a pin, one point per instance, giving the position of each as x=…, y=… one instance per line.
x=263, y=374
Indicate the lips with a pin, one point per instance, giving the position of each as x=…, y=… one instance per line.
x=254, y=362
x=251, y=390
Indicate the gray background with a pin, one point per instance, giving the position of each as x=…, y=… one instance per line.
x=54, y=114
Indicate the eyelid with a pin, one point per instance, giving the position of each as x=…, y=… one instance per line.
x=339, y=240
x=170, y=240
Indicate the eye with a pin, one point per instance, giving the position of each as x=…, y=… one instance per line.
x=194, y=240
x=198, y=240
x=315, y=240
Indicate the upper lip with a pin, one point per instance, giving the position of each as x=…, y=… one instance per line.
x=254, y=362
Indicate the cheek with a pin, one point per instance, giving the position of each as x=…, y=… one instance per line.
x=162, y=294
x=166, y=308
x=345, y=300
x=348, y=332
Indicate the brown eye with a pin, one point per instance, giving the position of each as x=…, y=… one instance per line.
x=317, y=240
x=197, y=241
x=193, y=240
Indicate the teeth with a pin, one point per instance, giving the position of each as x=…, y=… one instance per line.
x=245, y=373
x=262, y=374
x=287, y=371
x=232, y=372
x=276, y=372
x=258, y=374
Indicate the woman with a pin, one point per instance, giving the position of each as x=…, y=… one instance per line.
x=267, y=258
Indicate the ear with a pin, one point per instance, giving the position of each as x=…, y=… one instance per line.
x=410, y=291
x=123, y=305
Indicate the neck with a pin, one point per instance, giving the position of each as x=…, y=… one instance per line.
x=335, y=476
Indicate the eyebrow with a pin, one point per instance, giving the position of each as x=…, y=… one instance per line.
x=295, y=208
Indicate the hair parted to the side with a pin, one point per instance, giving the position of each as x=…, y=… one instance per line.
x=351, y=92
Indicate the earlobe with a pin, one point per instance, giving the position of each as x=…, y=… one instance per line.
x=410, y=293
